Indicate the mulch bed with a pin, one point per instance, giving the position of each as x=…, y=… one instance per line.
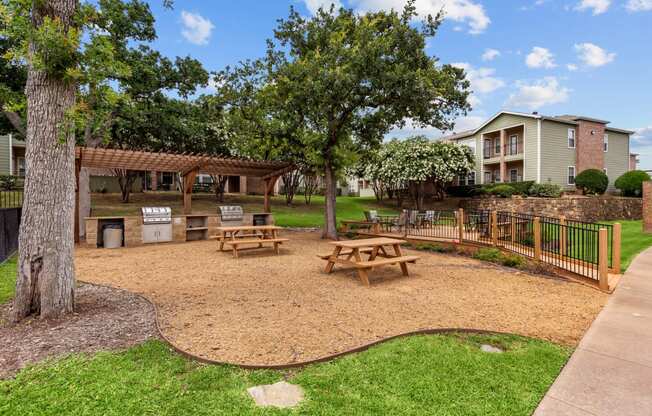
x=264, y=309
x=105, y=319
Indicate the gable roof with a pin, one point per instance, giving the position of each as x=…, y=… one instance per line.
x=566, y=119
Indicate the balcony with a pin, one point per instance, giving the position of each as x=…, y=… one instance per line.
x=513, y=151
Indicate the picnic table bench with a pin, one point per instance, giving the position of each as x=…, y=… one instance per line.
x=258, y=235
x=350, y=253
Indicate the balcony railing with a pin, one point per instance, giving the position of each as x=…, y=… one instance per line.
x=508, y=150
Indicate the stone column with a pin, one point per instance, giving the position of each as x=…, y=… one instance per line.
x=647, y=207
x=503, y=164
x=153, y=180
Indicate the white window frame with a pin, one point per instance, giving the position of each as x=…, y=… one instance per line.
x=605, y=143
x=515, y=137
x=568, y=175
x=488, y=173
x=571, y=136
x=497, y=146
x=468, y=179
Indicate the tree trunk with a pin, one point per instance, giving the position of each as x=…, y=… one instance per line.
x=309, y=186
x=126, y=180
x=84, y=199
x=219, y=183
x=290, y=185
x=46, y=275
x=330, y=194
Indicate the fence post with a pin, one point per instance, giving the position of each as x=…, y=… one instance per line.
x=460, y=224
x=563, y=235
x=603, y=258
x=513, y=227
x=537, y=238
x=617, y=240
x=494, y=228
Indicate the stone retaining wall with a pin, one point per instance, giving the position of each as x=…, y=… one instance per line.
x=590, y=209
x=647, y=206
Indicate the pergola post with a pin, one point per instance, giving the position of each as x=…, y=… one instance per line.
x=77, y=171
x=188, y=183
x=269, y=189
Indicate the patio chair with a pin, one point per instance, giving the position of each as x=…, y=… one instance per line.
x=371, y=216
x=231, y=215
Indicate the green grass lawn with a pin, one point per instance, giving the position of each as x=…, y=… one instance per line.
x=296, y=215
x=421, y=375
x=634, y=241
x=7, y=279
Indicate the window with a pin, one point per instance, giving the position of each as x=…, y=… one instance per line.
x=571, y=175
x=497, y=146
x=606, y=142
x=513, y=175
x=497, y=178
x=20, y=166
x=487, y=177
x=513, y=144
x=487, y=148
x=571, y=138
x=471, y=178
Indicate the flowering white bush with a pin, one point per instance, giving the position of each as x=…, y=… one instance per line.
x=413, y=162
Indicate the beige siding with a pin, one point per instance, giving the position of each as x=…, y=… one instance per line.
x=529, y=140
x=478, y=154
x=616, y=159
x=556, y=157
x=4, y=155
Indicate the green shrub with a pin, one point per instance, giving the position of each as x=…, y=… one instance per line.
x=512, y=260
x=435, y=248
x=463, y=191
x=545, y=190
x=521, y=188
x=488, y=254
x=592, y=182
x=8, y=182
x=502, y=190
x=631, y=183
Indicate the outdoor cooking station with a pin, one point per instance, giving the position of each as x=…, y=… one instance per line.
x=158, y=225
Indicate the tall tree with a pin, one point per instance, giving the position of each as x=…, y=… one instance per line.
x=352, y=78
x=48, y=35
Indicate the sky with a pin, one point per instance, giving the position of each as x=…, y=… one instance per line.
x=585, y=57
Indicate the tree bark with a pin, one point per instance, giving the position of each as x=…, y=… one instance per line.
x=219, y=183
x=330, y=194
x=46, y=276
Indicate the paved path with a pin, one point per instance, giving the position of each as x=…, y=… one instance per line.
x=610, y=373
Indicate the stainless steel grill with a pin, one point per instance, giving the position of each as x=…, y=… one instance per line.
x=157, y=215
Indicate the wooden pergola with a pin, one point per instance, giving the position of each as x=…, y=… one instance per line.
x=187, y=164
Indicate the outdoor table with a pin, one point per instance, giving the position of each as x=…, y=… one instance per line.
x=259, y=235
x=350, y=253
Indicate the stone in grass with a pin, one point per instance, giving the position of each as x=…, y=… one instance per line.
x=490, y=348
x=281, y=394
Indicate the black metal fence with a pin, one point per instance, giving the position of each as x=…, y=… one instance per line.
x=11, y=199
x=9, y=225
x=567, y=244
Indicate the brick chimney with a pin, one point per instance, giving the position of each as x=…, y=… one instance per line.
x=590, y=145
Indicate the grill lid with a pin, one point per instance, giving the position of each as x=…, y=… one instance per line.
x=158, y=215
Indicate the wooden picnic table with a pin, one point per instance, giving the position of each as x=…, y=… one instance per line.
x=350, y=253
x=258, y=235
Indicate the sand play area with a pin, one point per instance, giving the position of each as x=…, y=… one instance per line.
x=264, y=309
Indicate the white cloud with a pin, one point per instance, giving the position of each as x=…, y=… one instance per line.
x=572, y=67
x=642, y=144
x=542, y=92
x=482, y=80
x=469, y=12
x=196, y=28
x=598, y=6
x=314, y=5
x=540, y=58
x=490, y=54
x=593, y=55
x=639, y=5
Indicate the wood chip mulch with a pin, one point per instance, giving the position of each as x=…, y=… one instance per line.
x=264, y=309
x=105, y=319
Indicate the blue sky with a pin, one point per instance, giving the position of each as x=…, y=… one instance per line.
x=589, y=57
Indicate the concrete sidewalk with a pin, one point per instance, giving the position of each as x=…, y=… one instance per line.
x=610, y=373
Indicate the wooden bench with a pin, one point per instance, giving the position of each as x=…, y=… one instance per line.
x=374, y=227
x=382, y=261
x=260, y=241
x=346, y=253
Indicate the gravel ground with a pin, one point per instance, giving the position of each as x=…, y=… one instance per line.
x=105, y=319
x=266, y=309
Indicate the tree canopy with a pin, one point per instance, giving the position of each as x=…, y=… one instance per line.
x=347, y=79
